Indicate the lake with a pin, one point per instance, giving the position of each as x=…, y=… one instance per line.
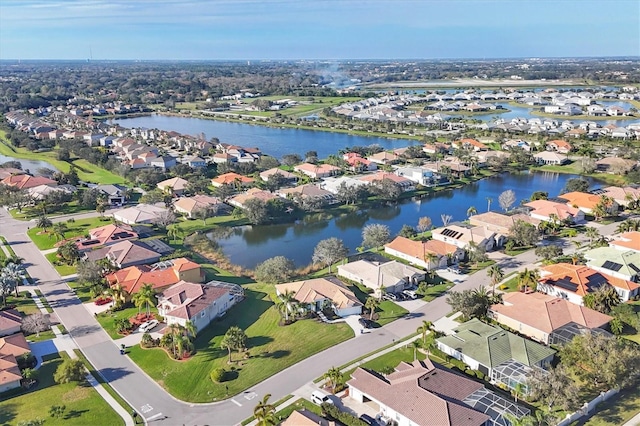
x=249, y=245
x=28, y=165
x=274, y=141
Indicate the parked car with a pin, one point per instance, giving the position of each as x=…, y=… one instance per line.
x=102, y=301
x=365, y=323
x=320, y=398
x=411, y=294
x=148, y=326
x=368, y=420
x=390, y=296
x=454, y=269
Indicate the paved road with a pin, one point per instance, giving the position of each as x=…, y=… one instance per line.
x=151, y=401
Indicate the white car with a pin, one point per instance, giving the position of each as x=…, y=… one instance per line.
x=147, y=326
x=320, y=398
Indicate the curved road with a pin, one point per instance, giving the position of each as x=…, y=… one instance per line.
x=156, y=405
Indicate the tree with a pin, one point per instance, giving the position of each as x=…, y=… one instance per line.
x=57, y=411
x=424, y=224
x=471, y=303
x=554, y=387
x=407, y=231
x=471, y=211
x=604, y=299
x=44, y=223
x=174, y=233
x=8, y=285
x=32, y=422
x=524, y=234
x=291, y=159
x=386, y=189
x=424, y=329
x=287, y=303
x=371, y=304
x=477, y=253
x=217, y=375
x=71, y=370
x=152, y=197
x=506, y=199
x=256, y=211
x=69, y=252
x=334, y=377
x=13, y=272
x=224, y=191
x=35, y=323
x=90, y=198
x=528, y=279
x=164, y=219
x=30, y=375
x=625, y=314
x=101, y=208
x=275, y=270
x=234, y=339
x=602, y=362
x=90, y=272
x=58, y=229
x=539, y=195
x=549, y=252
x=145, y=297
x=119, y=295
x=329, y=251
x=375, y=235
x=446, y=218
x=495, y=273
x=265, y=413
x=576, y=185
x=205, y=213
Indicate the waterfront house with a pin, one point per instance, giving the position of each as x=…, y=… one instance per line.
x=24, y=181
x=391, y=277
x=550, y=158
x=615, y=165
x=197, y=303
x=501, y=223
x=419, y=175
x=173, y=186
x=465, y=236
x=125, y=253
x=548, y=211
x=306, y=192
x=317, y=171
x=159, y=275
x=251, y=194
x=544, y=318
x=586, y=202
x=139, y=214
x=358, y=164
x=333, y=184
x=404, y=183
x=288, y=177
x=573, y=282
x=189, y=205
x=494, y=351
x=621, y=195
x=430, y=254
x=384, y=158
x=319, y=293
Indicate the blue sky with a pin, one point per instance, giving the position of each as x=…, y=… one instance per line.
x=320, y=29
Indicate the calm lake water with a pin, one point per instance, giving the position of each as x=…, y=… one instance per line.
x=271, y=140
x=30, y=165
x=250, y=245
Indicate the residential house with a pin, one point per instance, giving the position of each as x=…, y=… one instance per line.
x=544, y=318
x=465, y=237
x=307, y=192
x=10, y=322
x=11, y=348
x=573, y=282
x=115, y=194
x=173, y=186
x=251, y=194
x=24, y=181
x=125, y=253
x=493, y=351
x=333, y=184
x=431, y=254
x=469, y=144
x=189, y=205
x=5, y=172
x=319, y=293
x=232, y=178
x=359, y=164
x=550, y=158
x=317, y=171
x=549, y=211
x=501, y=223
x=384, y=158
x=560, y=146
x=622, y=195
x=197, y=303
x=586, y=202
x=159, y=275
x=404, y=183
x=420, y=175
x=193, y=161
x=627, y=241
x=624, y=264
x=390, y=277
x=615, y=165
x=139, y=214
x=306, y=418
x=423, y=393
x=41, y=191
x=106, y=235
x=289, y=177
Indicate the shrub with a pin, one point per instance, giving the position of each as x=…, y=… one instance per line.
x=71, y=370
x=218, y=374
x=346, y=419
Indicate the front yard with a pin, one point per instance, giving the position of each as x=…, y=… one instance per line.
x=386, y=311
x=62, y=268
x=46, y=240
x=272, y=348
x=108, y=319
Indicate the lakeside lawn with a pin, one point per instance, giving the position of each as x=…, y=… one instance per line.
x=574, y=168
x=46, y=240
x=272, y=349
x=84, y=406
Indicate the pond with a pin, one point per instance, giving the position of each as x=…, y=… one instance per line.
x=31, y=166
x=249, y=245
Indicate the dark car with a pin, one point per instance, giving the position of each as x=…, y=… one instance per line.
x=368, y=419
x=365, y=322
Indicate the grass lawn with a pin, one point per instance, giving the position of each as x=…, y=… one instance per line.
x=44, y=335
x=190, y=226
x=437, y=290
x=94, y=173
x=83, y=292
x=629, y=332
x=387, y=311
x=27, y=213
x=26, y=305
x=509, y=285
x=63, y=269
x=108, y=320
x=617, y=410
x=272, y=348
x=46, y=241
x=84, y=406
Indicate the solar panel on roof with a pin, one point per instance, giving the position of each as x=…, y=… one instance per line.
x=613, y=266
x=634, y=267
x=567, y=285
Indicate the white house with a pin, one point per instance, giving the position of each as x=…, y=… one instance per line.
x=391, y=277
x=320, y=293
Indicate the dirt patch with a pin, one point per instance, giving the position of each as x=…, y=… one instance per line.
x=77, y=394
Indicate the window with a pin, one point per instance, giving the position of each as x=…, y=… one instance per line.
x=201, y=314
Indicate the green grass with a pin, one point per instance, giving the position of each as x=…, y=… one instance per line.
x=108, y=320
x=190, y=226
x=83, y=292
x=275, y=404
x=8, y=246
x=272, y=348
x=26, y=305
x=44, y=335
x=574, y=168
x=94, y=173
x=63, y=269
x=617, y=410
x=44, y=240
x=84, y=406
x=437, y=290
x=388, y=361
x=629, y=332
x=510, y=285
x=44, y=301
x=387, y=311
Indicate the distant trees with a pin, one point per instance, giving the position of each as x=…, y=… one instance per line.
x=329, y=251
x=576, y=185
x=275, y=270
x=375, y=235
x=506, y=199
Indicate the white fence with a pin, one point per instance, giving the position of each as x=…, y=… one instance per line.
x=588, y=407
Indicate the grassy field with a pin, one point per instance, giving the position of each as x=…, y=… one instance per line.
x=97, y=174
x=63, y=269
x=575, y=168
x=616, y=411
x=45, y=241
x=84, y=406
x=272, y=348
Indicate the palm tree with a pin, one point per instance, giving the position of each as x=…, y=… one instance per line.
x=430, y=258
x=334, y=376
x=489, y=200
x=415, y=345
x=190, y=329
x=265, y=413
x=424, y=330
x=118, y=294
x=496, y=273
x=287, y=303
x=371, y=304
x=471, y=211
x=234, y=338
x=528, y=279
x=44, y=223
x=58, y=230
x=173, y=233
x=145, y=296
x=591, y=233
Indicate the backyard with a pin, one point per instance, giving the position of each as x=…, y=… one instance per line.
x=272, y=348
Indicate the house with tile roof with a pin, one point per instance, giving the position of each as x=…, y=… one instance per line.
x=469, y=144
x=404, y=183
x=627, y=241
x=251, y=194
x=623, y=264
x=10, y=322
x=573, y=282
x=384, y=158
x=544, y=318
x=232, y=178
x=392, y=276
x=486, y=348
x=358, y=163
x=125, y=253
x=11, y=347
x=333, y=184
x=430, y=254
x=290, y=178
x=585, y=201
x=106, y=235
x=317, y=171
x=197, y=303
x=306, y=418
x=139, y=214
x=160, y=275
x=173, y=186
x=560, y=146
x=615, y=165
x=423, y=393
x=189, y=205
x=308, y=191
x=114, y=193
x=318, y=292
x=622, y=195
x=501, y=223
x=550, y=158
x=464, y=236
x=24, y=181
x=548, y=211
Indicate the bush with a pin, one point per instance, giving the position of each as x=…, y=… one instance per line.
x=218, y=374
x=333, y=412
x=71, y=370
